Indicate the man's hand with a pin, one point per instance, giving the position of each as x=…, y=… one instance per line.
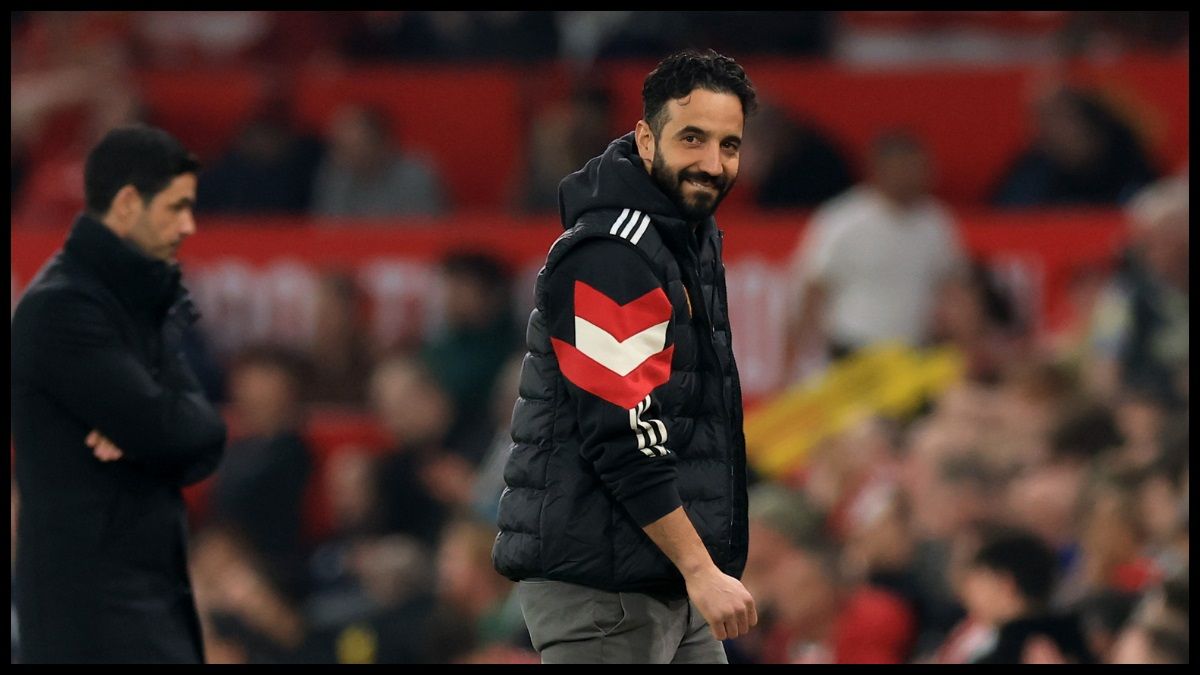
x=723, y=602
x=104, y=449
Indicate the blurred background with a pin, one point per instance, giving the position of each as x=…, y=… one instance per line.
x=987, y=411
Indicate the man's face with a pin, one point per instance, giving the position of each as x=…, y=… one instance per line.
x=161, y=225
x=905, y=175
x=695, y=155
x=984, y=592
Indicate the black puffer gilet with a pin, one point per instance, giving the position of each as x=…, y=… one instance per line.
x=557, y=519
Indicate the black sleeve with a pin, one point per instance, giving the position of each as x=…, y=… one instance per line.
x=65, y=345
x=179, y=376
x=609, y=320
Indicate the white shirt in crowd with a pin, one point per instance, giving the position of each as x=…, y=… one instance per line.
x=880, y=263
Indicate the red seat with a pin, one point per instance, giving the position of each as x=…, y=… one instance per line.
x=204, y=109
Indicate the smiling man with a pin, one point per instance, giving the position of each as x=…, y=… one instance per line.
x=624, y=516
x=108, y=420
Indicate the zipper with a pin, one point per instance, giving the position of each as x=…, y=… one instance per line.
x=726, y=414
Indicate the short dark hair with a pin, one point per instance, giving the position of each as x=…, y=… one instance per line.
x=145, y=157
x=1025, y=557
x=480, y=267
x=1085, y=430
x=679, y=74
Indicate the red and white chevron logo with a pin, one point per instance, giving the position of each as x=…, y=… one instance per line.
x=619, y=352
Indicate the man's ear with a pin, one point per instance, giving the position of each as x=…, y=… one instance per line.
x=126, y=206
x=645, y=142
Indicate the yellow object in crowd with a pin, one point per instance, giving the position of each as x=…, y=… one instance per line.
x=889, y=379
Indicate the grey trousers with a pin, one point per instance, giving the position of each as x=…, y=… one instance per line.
x=576, y=624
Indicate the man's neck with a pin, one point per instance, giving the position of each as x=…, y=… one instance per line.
x=900, y=202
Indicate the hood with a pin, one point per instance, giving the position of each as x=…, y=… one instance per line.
x=614, y=180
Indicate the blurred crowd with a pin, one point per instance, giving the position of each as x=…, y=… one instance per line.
x=73, y=78
x=1037, y=511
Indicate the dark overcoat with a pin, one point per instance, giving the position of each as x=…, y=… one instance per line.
x=101, y=570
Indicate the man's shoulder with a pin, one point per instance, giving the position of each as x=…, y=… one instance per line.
x=938, y=213
x=57, y=288
x=629, y=224
x=852, y=207
x=608, y=232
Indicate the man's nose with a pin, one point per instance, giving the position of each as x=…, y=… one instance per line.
x=188, y=226
x=710, y=163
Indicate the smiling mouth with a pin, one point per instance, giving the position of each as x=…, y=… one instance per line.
x=702, y=186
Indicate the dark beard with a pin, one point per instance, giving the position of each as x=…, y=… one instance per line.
x=671, y=184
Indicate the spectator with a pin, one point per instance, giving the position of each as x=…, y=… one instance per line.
x=1144, y=642
x=1104, y=614
x=880, y=550
x=419, y=483
x=363, y=175
x=338, y=593
x=793, y=34
x=489, y=479
x=1163, y=500
x=811, y=611
x=515, y=36
x=1139, y=336
x=487, y=609
x=453, y=36
x=245, y=616
x=175, y=40
x=792, y=163
x=979, y=317
x=1108, y=34
x=563, y=138
x=874, y=257
x=823, y=619
x=405, y=606
x=1113, y=542
x=268, y=170
x=1081, y=154
x=1141, y=418
x=342, y=353
x=260, y=488
x=477, y=338
x=1008, y=588
x=1158, y=631
x=385, y=35
x=189, y=39
x=380, y=614
x=1048, y=495
x=585, y=32
x=644, y=35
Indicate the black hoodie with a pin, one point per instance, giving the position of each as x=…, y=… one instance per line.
x=629, y=404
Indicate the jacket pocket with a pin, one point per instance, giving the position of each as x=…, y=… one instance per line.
x=609, y=611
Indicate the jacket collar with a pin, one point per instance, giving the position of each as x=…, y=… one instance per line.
x=144, y=284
